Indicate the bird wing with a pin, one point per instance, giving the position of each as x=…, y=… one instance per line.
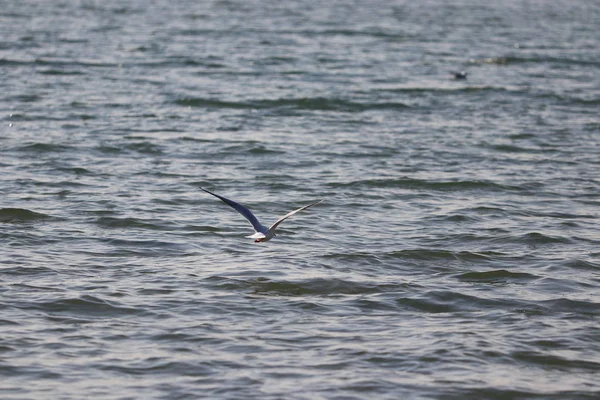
x=286, y=216
x=239, y=208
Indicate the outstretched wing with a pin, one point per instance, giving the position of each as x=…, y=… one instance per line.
x=286, y=216
x=239, y=208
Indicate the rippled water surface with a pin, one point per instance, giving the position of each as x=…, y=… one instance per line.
x=456, y=254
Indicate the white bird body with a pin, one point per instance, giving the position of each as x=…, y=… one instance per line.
x=262, y=234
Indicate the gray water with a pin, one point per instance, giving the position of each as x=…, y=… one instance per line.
x=456, y=254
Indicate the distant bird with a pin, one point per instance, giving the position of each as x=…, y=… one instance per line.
x=460, y=75
x=263, y=234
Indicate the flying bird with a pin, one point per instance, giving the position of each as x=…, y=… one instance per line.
x=263, y=233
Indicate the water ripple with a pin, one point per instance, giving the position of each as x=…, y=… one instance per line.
x=21, y=215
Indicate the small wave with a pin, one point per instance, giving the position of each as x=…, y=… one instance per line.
x=144, y=147
x=583, y=265
x=108, y=150
x=201, y=228
x=194, y=139
x=534, y=239
x=60, y=72
x=450, y=91
x=448, y=301
x=348, y=257
x=424, y=305
x=21, y=215
x=72, y=63
x=156, y=366
x=112, y=222
x=209, y=63
x=26, y=98
x=12, y=63
x=410, y=183
x=552, y=361
x=250, y=148
x=454, y=218
x=85, y=305
x=318, y=287
x=510, y=148
x=44, y=148
x=485, y=210
x=496, y=276
x=308, y=287
x=315, y=104
x=433, y=254
x=138, y=248
x=6, y=322
x=579, y=307
x=534, y=59
x=570, y=99
x=75, y=170
x=61, y=185
x=28, y=271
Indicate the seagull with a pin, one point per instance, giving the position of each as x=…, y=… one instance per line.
x=263, y=234
x=460, y=75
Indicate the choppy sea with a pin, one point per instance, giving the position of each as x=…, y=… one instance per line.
x=456, y=254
